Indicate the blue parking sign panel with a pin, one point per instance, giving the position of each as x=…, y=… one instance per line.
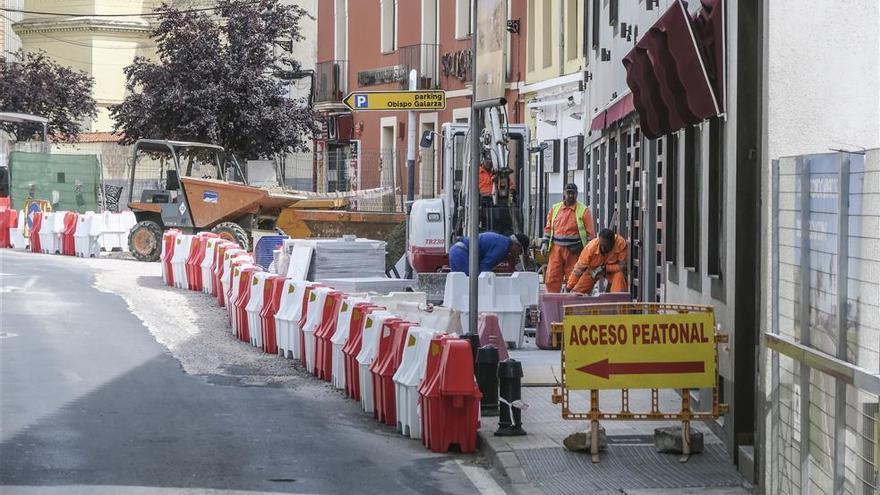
x=360, y=101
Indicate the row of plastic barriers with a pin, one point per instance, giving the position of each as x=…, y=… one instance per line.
x=65, y=232
x=401, y=359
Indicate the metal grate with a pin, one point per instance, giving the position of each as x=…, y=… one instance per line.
x=626, y=467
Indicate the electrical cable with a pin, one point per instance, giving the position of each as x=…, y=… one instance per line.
x=139, y=14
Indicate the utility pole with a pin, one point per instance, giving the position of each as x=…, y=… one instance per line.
x=410, y=164
x=474, y=189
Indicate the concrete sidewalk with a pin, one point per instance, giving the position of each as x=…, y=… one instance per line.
x=538, y=462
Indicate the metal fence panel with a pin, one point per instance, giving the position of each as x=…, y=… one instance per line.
x=825, y=243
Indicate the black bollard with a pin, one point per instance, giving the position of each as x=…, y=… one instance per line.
x=487, y=379
x=474, y=339
x=510, y=381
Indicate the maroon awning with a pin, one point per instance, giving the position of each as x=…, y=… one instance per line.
x=598, y=122
x=618, y=110
x=674, y=69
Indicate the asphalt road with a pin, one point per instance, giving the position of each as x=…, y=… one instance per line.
x=91, y=403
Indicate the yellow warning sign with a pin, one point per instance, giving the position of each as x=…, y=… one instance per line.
x=396, y=100
x=639, y=351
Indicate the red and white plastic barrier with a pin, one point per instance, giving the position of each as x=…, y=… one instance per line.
x=400, y=358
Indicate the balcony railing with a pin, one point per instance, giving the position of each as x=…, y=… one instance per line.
x=331, y=84
x=424, y=58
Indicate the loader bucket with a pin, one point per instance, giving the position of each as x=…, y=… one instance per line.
x=213, y=201
x=334, y=223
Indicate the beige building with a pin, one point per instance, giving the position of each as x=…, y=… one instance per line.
x=554, y=91
x=93, y=36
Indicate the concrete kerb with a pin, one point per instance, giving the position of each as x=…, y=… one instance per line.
x=503, y=458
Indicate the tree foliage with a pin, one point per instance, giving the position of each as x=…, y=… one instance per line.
x=220, y=79
x=38, y=85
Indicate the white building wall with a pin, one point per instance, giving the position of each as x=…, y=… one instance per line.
x=821, y=93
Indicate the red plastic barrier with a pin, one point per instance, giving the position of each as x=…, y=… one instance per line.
x=244, y=296
x=353, y=347
x=36, y=227
x=432, y=373
x=323, y=347
x=271, y=302
x=384, y=367
x=453, y=400
x=68, y=247
x=195, y=258
x=8, y=220
x=198, y=242
x=168, y=239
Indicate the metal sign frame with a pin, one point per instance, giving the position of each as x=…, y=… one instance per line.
x=594, y=415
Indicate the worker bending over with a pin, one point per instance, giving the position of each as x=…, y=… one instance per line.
x=569, y=228
x=494, y=248
x=605, y=256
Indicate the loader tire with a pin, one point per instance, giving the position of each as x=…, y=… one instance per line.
x=234, y=232
x=145, y=241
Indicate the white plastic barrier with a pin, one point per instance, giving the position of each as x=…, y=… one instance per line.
x=391, y=300
x=508, y=297
x=207, y=265
x=178, y=260
x=228, y=257
x=288, y=316
x=369, y=349
x=255, y=305
x=440, y=318
x=50, y=232
x=408, y=377
x=115, y=229
x=16, y=234
x=86, y=238
x=314, y=318
x=340, y=338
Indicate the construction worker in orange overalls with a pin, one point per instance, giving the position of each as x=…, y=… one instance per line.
x=569, y=228
x=487, y=179
x=605, y=256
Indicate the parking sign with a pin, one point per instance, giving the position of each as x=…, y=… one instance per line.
x=360, y=101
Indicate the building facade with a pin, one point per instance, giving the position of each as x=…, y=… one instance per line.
x=372, y=45
x=670, y=164
x=91, y=38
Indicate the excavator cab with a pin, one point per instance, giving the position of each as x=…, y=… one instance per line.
x=506, y=209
